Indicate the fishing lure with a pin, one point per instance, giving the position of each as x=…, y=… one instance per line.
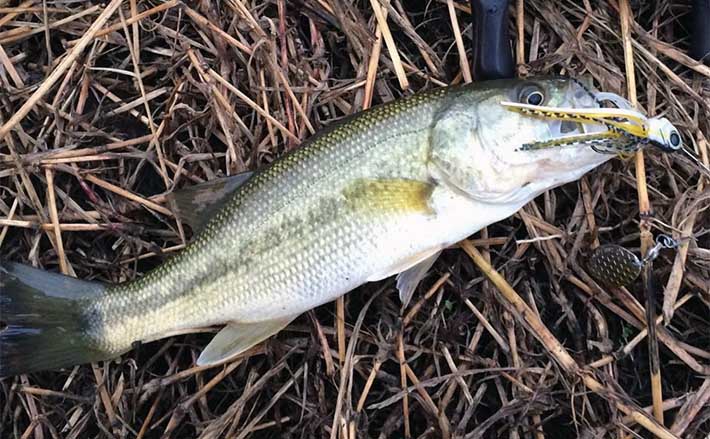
x=627, y=129
x=615, y=266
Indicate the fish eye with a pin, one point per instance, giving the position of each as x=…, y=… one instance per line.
x=674, y=139
x=532, y=95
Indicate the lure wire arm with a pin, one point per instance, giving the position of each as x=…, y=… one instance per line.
x=693, y=158
x=662, y=241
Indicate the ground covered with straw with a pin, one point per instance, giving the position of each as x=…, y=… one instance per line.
x=107, y=107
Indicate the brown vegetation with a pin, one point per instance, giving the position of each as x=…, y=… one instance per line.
x=107, y=107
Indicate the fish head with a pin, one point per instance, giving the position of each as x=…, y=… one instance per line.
x=484, y=149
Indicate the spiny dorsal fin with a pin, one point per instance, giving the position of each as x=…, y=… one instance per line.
x=196, y=204
x=237, y=337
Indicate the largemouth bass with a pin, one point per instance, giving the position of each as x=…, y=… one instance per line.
x=378, y=194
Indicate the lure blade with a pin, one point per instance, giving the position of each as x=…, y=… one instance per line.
x=614, y=266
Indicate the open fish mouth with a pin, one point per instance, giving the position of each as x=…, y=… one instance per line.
x=621, y=129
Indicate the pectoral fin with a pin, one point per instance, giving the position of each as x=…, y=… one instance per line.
x=236, y=338
x=390, y=195
x=405, y=265
x=408, y=280
x=196, y=204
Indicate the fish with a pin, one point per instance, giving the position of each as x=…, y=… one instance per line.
x=377, y=194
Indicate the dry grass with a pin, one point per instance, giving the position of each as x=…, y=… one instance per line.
x=120, y=103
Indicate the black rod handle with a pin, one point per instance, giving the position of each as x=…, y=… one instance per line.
x=700, y=39
x=492, y=52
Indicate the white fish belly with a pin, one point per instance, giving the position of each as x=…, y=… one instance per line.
x=330, y=266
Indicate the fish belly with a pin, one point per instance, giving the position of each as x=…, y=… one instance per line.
x=331, y=253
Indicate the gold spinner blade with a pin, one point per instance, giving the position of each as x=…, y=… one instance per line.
x=612, y=265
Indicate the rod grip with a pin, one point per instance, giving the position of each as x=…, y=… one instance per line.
x=492, y=54
x=700, y=38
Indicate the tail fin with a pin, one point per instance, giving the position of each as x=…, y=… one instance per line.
x=41, y=321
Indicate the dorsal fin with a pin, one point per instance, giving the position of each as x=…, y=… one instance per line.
x=196, y=204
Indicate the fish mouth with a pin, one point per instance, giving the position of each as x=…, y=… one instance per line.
x=605, y=130
x=621, y=130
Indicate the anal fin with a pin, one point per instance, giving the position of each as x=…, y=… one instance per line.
x=237, y=337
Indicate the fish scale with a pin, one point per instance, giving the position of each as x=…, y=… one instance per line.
x=379, y=193
x=282, y=207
